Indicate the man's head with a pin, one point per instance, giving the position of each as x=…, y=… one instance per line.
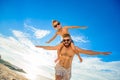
x=66, y=40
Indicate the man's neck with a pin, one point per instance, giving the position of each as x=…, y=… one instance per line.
x=67, y=46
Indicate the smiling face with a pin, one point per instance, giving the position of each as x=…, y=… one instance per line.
x=66, y=41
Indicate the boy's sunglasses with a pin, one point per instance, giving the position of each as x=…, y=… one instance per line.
x=56, y=25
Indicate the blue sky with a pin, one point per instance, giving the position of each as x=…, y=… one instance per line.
x=101, y=16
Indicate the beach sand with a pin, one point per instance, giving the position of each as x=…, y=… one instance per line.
x=8, y=74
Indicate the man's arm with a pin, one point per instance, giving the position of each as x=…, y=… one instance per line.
x=48, y=47
x=90, y=52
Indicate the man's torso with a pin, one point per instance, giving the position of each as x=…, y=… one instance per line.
x=66, y=56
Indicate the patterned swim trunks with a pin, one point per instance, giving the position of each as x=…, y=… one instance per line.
x=65, y=73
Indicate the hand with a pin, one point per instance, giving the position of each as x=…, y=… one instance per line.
x=106, y=53
x=47, y=42
x=83, y=27
x=38, y=46
x=56, y=60
x=81, y=60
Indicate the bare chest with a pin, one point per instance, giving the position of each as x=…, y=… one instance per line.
x=62, y=32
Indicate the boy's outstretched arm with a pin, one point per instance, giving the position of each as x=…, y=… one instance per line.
x=81, y=27
x=90, y=52
x=52, y=38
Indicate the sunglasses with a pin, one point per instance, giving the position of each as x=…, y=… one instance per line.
x=64, y=40
x=56, y=25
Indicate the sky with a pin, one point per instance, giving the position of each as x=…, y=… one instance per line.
x=28, y=23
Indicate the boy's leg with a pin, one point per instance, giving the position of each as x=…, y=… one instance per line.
x=58, y=77
x=79, y=58
x=58, y=52
x=74, y=49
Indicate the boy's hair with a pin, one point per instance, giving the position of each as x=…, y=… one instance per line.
x=53, y=21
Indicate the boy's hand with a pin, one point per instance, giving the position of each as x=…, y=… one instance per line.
x=83, y=27
x=37, y=46
x=47, y=42
x=106, y=53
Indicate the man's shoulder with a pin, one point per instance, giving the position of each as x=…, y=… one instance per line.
x=77, y=48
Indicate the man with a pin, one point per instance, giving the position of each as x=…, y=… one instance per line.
x=63, y=67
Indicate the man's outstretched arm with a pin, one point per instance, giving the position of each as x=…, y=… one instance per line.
x=90, y=52
x=48, y=47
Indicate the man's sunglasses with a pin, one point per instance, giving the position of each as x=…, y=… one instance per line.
x=56, y=25
x=64, y=40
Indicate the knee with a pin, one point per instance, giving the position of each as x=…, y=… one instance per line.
x=58, y=78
